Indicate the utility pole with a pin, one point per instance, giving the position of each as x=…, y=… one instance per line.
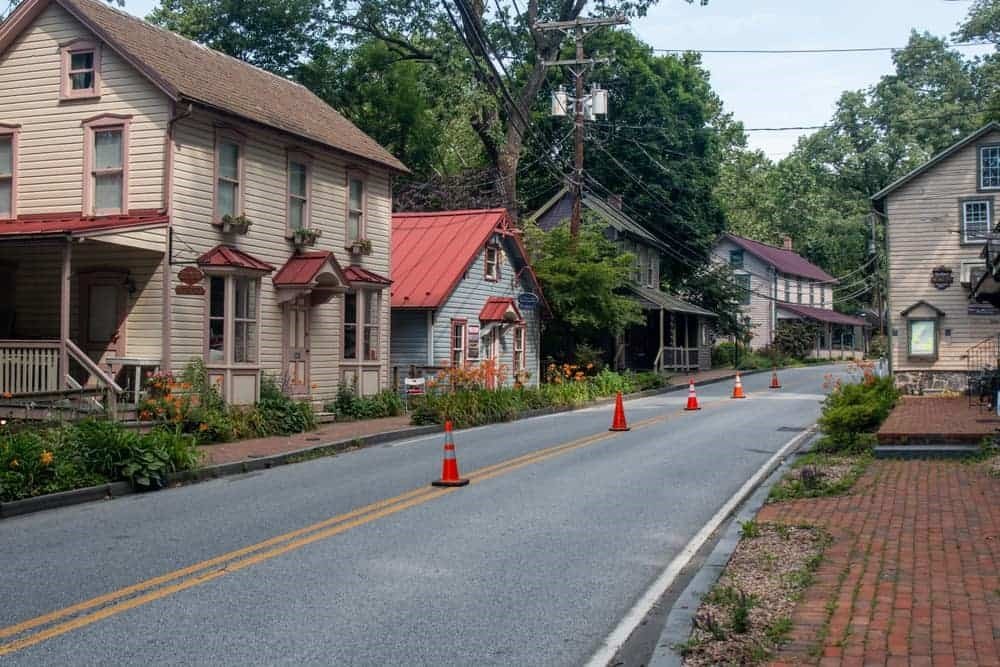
x=598, y=99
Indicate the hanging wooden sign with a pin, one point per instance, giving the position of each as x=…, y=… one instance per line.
x=190, y=276
x=942, y=278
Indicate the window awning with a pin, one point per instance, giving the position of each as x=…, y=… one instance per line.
x=227, y=257
x=315, y=273
x=496, y=308
x=358, y=276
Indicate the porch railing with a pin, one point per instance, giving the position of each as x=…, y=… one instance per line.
x=29, y=367
x=32, y=370
x=982, y=364
x=677, y=359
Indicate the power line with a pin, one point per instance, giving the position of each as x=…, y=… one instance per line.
x=863, y=49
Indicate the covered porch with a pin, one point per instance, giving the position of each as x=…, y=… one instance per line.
x=839, y=336
x=81, y=312
x=673, y=338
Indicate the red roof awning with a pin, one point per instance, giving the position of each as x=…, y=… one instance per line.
x=356, y=274
x=224, y=256
x=303, y=270
x=496, y=307
x=822, y=315
x=74, y=224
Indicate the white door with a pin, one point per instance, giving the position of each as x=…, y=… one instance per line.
x=297, y=344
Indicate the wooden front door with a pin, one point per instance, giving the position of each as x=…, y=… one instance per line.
x=297, y=344
x=102, y=297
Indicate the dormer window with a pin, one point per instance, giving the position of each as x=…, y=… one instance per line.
x=81, y=70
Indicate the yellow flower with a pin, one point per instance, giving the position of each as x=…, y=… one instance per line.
x=46, y=458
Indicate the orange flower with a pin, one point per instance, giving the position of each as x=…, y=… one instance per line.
x=14, y=463
x=203, y=427
x=46, y=458
x=7, y=394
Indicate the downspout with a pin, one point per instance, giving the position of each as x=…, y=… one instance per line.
x=168, y=189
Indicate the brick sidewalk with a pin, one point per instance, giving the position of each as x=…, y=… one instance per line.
x=913, y=574
x=936, y=419
x=231, y=452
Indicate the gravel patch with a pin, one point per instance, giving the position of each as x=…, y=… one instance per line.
x=748, y=612
x=818, y=475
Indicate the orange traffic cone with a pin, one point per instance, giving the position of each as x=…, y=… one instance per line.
x=618, y=423
x=738, y=387
x=692, y=397
x=449, y=468
x=774, y=379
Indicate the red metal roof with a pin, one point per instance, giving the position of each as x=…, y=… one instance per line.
x=495, y=307
x=59, y=224
x=785, y=261
x=224, y=255
x=356, y=274
x=822, y=314
x=301, y=270
x=431, y=251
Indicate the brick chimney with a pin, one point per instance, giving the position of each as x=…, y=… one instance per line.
x=788, y=243
x=615, y=201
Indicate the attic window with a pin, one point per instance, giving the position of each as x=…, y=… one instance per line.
x=81, y=70
x=492, y=260
x=989, y=167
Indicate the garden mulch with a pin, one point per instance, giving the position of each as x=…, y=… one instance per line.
x=912, y=576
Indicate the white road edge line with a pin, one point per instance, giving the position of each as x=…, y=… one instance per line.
x=633, y=618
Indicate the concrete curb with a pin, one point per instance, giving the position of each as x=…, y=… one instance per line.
x=117, y=489
x=679, y=623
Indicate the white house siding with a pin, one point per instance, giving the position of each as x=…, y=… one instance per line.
x=265, y=205
x=51, y=138
x=37, y=290
x=761, y=309
x=923, y=233
x=468, y=299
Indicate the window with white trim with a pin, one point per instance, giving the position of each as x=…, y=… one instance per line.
x=372, y=302
x=233, y=300
x=355, y=209
x=107, y=170
x=812, y=295
x=298, y=195
x=989, y=167
x=799, y=286
x=245, y=320
x=458, y=336
x=362, y=309
x=7, y=185
x=922, y=338
x=976, y=220
x=491, y=270
x=743, y=286
x=229, y=172
x=788, y=290
x=519, y=362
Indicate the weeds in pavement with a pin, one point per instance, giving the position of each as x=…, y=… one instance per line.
x=749, y=529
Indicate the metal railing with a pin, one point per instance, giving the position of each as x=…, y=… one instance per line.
x=982, y=362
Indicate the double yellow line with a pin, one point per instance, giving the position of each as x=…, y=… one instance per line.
x=61, y=621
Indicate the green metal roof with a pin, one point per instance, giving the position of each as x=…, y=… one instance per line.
x=658, y=299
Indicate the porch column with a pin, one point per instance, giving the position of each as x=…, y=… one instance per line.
x=659, y=354
x=687, y=326
x=829, y=341
x=64, y=292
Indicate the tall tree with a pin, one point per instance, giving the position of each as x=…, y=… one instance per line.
x=275, y=35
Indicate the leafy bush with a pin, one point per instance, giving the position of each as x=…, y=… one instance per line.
x=475, y=407
x=853, y=411
x=281, y=415
x=349, y=406
x=795, y=338
x=47, y=460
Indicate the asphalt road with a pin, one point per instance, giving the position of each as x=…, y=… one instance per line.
x=563, y=528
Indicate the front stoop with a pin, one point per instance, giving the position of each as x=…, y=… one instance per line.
x=926, y=451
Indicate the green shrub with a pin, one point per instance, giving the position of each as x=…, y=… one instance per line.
x=348, y=405
x=852, y=411
x=647, y=380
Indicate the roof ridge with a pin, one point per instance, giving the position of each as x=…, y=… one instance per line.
x=469, y=211
x=182, y=38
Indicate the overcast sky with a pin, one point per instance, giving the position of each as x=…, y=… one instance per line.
x=788, y=89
